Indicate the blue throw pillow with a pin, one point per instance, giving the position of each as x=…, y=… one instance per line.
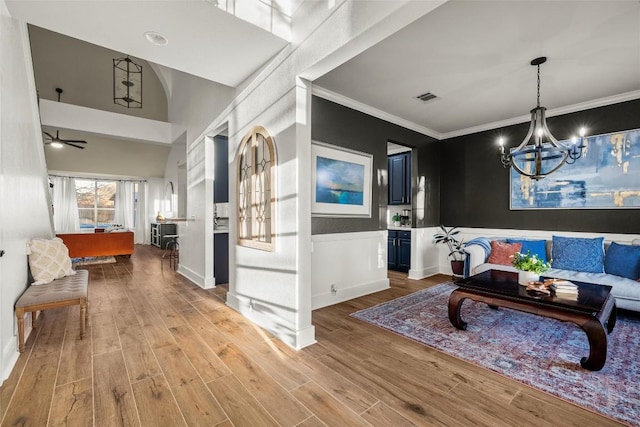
x=623, y=260
x=535, y=247
x=578, y=254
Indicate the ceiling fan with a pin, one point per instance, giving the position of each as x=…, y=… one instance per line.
x=56, y=141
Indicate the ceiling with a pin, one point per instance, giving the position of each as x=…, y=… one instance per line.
x=203, y=40
x=475, y=56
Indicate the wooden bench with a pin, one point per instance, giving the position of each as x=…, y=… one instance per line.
x=63, y=292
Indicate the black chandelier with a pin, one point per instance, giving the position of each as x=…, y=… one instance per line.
x=540, y=154
x=127, y=83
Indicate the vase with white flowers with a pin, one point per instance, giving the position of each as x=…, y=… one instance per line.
x=529, y=267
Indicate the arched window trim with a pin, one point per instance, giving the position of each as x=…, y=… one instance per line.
x=255, y=241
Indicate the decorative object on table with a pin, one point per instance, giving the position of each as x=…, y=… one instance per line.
x=540, y=352
x=341, y=181
x=396, y=219
x=529, y=267
x=540, y=153
x=605, y=178
x=127, y=83
x=456, y=252
x=159, y=217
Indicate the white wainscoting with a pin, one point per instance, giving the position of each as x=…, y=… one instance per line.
x=356, y=263
x=425, y=256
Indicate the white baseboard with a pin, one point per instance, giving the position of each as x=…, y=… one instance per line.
x=296, y=339
x=324, y=300
x=424, y=272
x=203, y=282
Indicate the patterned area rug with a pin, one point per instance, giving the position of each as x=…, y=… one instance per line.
x=537, y=351
x=76, y=262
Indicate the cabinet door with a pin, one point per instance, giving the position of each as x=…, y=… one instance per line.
x=221, y=169
x=407, y=178
x=397, y=179
x=392, y=259
x=404, y=254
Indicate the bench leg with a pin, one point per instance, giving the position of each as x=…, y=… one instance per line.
x=20, y=316
x=33, y=319
x=83, y=318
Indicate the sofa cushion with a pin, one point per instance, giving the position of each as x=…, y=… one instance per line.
x=48, y=260
x=502, y=252
x=578, y=254
x=534, y=247
x=623, y=260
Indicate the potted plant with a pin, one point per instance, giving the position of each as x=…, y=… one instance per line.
x=396, y=219
x=455, y=245
x=529, y=267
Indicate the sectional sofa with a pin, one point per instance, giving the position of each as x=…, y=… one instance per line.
x=579, y=259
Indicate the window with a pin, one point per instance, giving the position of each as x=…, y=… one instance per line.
x=96, y=202
x=256, y=196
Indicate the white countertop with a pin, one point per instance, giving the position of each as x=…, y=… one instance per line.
x=400, y=227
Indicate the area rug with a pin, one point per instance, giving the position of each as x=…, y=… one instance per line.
x=76, y=262
x=540, y=352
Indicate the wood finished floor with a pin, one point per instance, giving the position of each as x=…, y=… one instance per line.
x=162, y=352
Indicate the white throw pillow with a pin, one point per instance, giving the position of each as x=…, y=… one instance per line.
x=48, y=260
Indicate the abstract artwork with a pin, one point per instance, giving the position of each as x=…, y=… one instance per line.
x=341, y=181
x=607, y=176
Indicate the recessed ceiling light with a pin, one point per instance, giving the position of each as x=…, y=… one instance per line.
x=156, y=38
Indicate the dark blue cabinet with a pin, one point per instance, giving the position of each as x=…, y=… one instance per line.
x=221, y=257
x=399, y=250
x=400, y=179
x=221, y=169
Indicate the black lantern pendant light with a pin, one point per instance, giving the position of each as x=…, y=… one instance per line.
x=540, y=154
x=127, y=83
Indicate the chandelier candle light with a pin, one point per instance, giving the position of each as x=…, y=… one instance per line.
x=540, y=148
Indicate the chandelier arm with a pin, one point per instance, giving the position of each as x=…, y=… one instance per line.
x=543, y=121
x=526, y=139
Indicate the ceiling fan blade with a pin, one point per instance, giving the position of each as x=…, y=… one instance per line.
x=78, y=141
x=73, y=145
x=48, y=134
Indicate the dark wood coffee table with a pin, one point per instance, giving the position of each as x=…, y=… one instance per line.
x=594, y=309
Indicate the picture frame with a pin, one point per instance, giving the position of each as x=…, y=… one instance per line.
x=605, y=177
x=340, y=181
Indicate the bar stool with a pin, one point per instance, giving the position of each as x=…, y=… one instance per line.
x=172, y=250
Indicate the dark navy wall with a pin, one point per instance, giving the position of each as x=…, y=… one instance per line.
x=475, y=186
x=338, y=125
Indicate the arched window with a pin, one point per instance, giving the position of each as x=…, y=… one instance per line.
x=256, y=190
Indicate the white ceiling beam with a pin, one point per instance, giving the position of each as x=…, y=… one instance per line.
x=121, y=126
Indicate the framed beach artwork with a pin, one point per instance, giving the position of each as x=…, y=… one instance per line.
x=341, y=181
x=607, y=176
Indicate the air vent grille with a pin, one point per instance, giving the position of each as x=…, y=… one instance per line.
x=426, y=97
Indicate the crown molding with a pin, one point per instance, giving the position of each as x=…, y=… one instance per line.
x=600, y=102
x=372, y=111
x=367, y=109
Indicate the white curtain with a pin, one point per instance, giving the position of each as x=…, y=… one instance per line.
x=124, y=204
x=141, y=234
x=65, y=205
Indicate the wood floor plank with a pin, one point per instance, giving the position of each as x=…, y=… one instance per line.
x=203, y=359
x=141, y=363
x=104, y=333
x=132, y=336
x=50, y=332
x=203, y=327
x=312, y=422
x=280, y=404
x=381, y=415
x=168, y=314
x=328, y=409
x=241, y=407
x=155, y=331
x=32, y=397
x=113, y=396
x=73, y=404
x=75, y=363
x=196, y=401
x=156, y=404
